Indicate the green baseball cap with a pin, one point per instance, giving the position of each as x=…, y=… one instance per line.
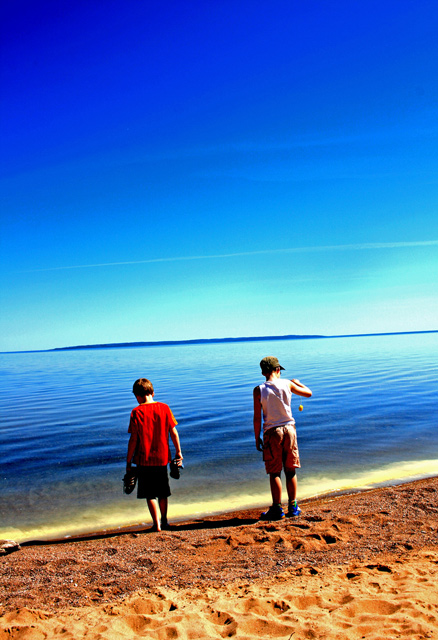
x=270, y=363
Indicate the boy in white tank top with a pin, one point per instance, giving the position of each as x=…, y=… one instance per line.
x=279, y=444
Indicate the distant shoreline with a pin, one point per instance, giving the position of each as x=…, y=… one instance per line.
x=171, y=343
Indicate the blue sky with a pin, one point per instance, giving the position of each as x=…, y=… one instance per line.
x=209, y=169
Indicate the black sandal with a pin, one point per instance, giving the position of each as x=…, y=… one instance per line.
x=175, y=468
x=129, y=481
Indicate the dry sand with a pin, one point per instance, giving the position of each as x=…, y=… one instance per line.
x=354, y=566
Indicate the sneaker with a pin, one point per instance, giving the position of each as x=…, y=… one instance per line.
x=273, y=513
x=293, y=510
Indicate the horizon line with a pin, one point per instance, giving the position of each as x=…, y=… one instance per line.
x=165, y=343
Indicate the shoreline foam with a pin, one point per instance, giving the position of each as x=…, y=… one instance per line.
x=107, y=520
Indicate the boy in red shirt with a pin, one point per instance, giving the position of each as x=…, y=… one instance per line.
x=150, y=425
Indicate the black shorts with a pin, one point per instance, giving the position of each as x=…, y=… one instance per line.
x=152, y=482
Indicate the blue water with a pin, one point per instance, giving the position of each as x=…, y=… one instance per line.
x=63, y=437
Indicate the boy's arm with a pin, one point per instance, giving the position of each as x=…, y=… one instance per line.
x=300, y=389
x=257, y=418
x=176, y=443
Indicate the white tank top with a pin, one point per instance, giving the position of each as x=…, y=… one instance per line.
x=275, y=397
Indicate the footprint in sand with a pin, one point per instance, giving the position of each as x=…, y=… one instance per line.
x=263, y=607
x=23, y=633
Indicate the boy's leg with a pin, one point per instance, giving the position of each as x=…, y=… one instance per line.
x=162, y=502
x=275, y=512
x=153, y=510
x=291, y=485
x=291, y=461
x=273, y=464
x=275, y=483
x=272, y=456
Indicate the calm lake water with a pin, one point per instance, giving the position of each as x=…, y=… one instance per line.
x=63, y=436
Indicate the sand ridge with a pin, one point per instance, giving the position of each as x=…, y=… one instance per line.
x=396, y=600
x=357, y=566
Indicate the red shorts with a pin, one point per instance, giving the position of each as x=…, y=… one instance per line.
x=280, y=449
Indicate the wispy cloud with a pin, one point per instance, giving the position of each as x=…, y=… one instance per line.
x=220, y=256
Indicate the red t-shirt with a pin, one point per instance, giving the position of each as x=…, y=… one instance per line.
x=149, y=427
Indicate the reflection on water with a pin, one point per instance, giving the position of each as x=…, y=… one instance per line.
x=64, y=430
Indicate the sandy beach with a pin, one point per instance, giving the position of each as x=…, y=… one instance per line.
x=362, y=565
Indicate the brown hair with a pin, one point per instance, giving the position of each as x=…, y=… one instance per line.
x=143, y=387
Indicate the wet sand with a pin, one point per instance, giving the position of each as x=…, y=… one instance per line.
x=363, y=565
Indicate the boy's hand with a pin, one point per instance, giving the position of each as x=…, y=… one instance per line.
x=300, y=389
x=259, y=444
